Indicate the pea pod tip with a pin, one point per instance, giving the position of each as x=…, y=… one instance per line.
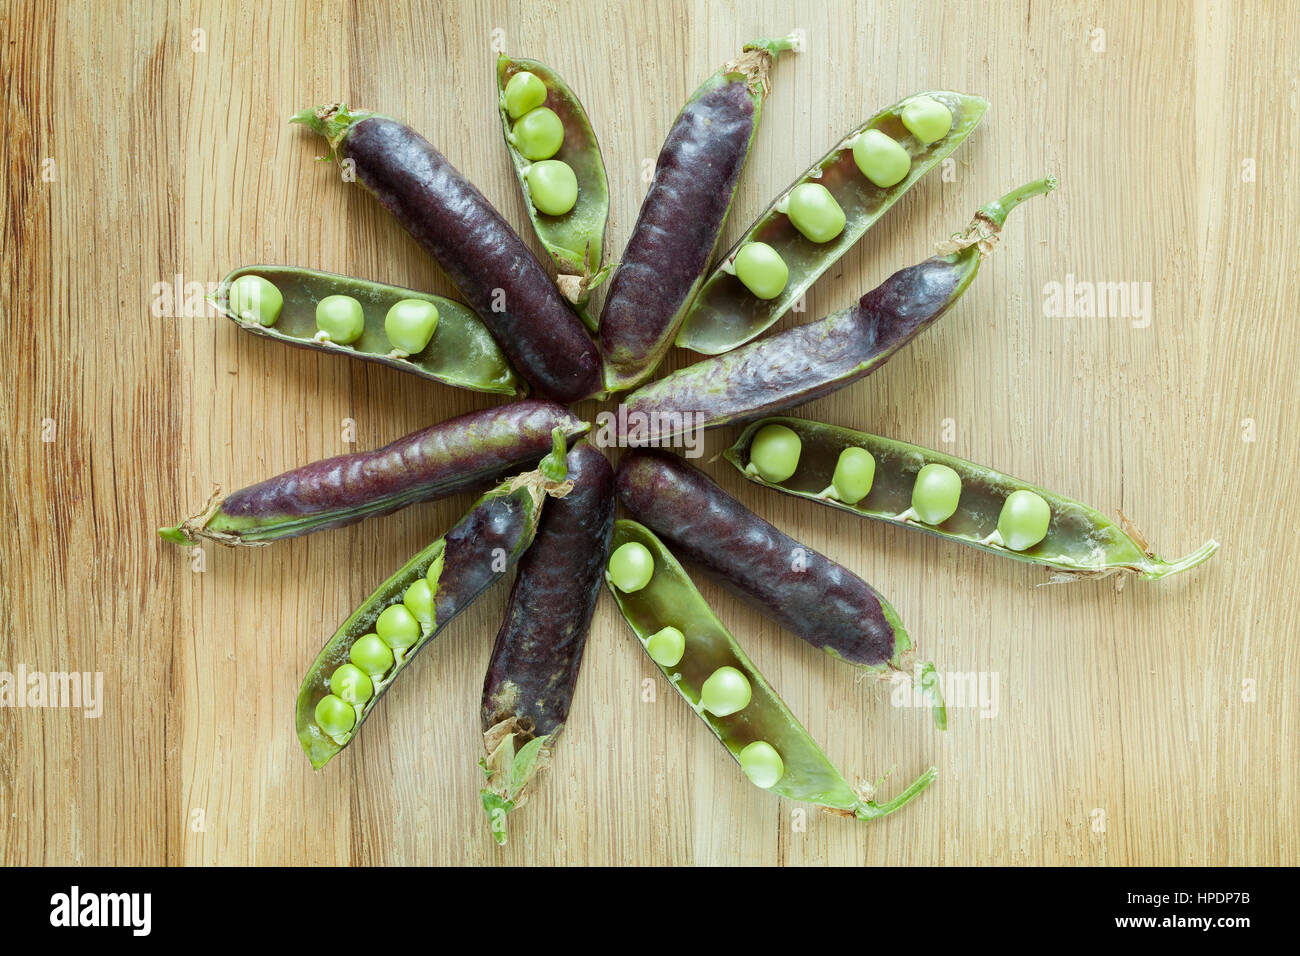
x=791, y=42
x=869, y=810
x=1161, y=568
x=175, y=534
x=330, y=120
x=191, y=529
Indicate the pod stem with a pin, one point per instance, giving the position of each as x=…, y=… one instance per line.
x=774, y=46
x=922, y=674
x=996, y=211
x=192, y=528
x=985, y=228
x=756, y=59
x=555, y=466
x=869, y=810
x=927, y=678
x=332, y=121
x=1160, y=568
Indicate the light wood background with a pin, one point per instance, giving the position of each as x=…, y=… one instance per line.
x=1156, y=725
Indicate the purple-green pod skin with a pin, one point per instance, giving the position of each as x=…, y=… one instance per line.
x=806, y=362
x=681, y=220
x=492, y=267
x=467, y=453
x=801, y=589
x=482, y=548
x=534, y=666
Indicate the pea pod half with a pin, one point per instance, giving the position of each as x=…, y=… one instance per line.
x=762, y=735
x=1070, y=538
x=533, y=672
x=725, y=313
x=803, y=590
x=376, y=643
x=806, y=362
x=458, y=349
x=681, y=218
x=466, y=453
x=481, y=253
x=573, y=176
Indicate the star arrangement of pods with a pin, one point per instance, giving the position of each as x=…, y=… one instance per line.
x=548, y=510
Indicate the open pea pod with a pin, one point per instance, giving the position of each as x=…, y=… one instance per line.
x=762, y=735
x=376, y=643
x=799, y=364
x=567, y=192
x=460, y=352
x=994, y=512
x=726, y=313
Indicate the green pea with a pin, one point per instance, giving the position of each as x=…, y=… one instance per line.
x=725, y=691
x=855, y=471
x=631, y=567
x=881, y=159
x=418, y=599
x=410, y=324
x=552, y=186
x=774, y=453
x=936, y=494
x=340, y=319
x=398, y=627
x=927, y=119
x=372, y=655
x=539, y=135
x=762, y=764
x=761, y=269
x=334, y=716
x=524, y=92
x=814, y=212
x=253, y=298
x=1024, y=520
x=351, y=684
x=667, y=647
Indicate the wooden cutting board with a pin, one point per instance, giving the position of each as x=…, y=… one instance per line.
x=1155, y=725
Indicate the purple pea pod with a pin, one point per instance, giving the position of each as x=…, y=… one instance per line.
x=534, y=668
x=804, y=591
x=809, y=361
x=492, y=267
x=681, y=219
x=468, y=453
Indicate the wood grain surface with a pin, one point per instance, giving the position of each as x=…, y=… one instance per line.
x=1152, y=725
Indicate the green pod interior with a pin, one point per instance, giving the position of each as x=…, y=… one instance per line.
x=462, y=351
x=725, y=314
x=575, y=240
x=1080, y=539
x=321, y=746
x=671, y=599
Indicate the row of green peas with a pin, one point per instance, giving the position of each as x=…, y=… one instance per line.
x=936, y=494
x=538, y=134
x=813, y=210
x=340, y=319
x=724, y=692
x=374, y=656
